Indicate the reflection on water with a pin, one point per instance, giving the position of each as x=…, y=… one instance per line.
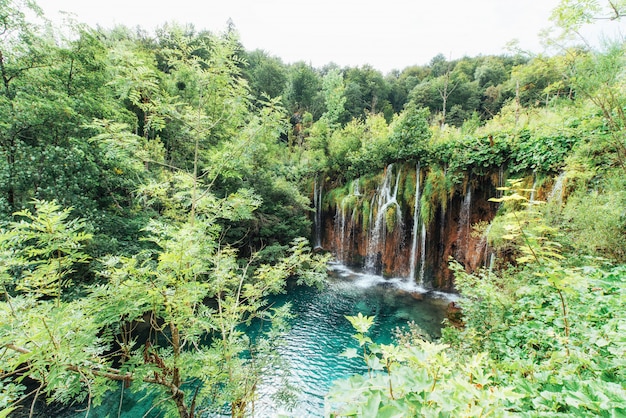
x=320, y=333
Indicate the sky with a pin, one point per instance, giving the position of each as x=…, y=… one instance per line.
x=386, y=34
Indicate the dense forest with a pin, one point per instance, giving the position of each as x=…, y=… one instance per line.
x=170, y=182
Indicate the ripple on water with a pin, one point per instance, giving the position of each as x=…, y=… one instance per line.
x=320, y=332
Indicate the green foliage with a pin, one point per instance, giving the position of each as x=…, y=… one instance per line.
x=544, y=338
x=126, y=129
x=515, y=317
x=535, y=323
x=410, y=135
x=595, y=220
x=391, y=218
x=183, y=170
x=540, y=80
x=570, y=16
x=416, y=379
x=375, y=151
x=42, y=251
x=434, y=195
x=304, y=90
x=334, y=97
x=345, y=143
x=524, y=227
x=66, y=346
x=366, y=214
x=267, y=75
x=361, y=323
x=600, y=78
x=474, y=154
x=365, y=91
x=543, y=153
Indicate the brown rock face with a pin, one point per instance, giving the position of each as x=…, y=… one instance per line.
x=454, y=234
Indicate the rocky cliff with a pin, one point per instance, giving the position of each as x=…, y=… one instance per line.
x=381, y=224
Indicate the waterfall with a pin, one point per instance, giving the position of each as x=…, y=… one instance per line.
x=341, y=214
x=442, y=222
x=464, y=220
x=533, y=190
x=500, y=193
x=343, y=225
x=384, y=199
x=416, y=219
x=557, y=189
x=492, y=262
x=423, y=255
x=317, y=201
x=483, y=247
x=355, y=187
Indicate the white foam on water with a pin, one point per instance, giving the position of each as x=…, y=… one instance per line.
x=450, y=297
x=365, y=280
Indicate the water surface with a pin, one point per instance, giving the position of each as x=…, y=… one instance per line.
x=320, y=332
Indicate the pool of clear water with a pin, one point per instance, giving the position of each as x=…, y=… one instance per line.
x=319, y=334
x=320, y=331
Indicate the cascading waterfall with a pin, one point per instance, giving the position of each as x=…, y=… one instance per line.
x=483, y=247
x=384, y=199
x=317, y=201
x=416, y=219
x=340, y=230
x=533, y=190
x=492, y=262
x=464, y=227
x=369, y=227
x=423, y=255
x=442, y=221
x=442, y=228
x=557, y=190
x=343, y=224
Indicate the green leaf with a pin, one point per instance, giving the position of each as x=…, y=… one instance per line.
x=392, y=410
x=350, y=353
x=602, y=342
x=374, y=363
x=361, y=323
x=370, y=409
x=5, y=412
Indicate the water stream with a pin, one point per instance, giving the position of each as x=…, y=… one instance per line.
x=416, y=222
x=464, y=224
x=385, y=199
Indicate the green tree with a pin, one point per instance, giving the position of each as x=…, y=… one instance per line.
x=303, y=90
x=410, y=134
x=540, y=80
x=267, y=75
x=334, y=97
x=570, y=16
x=490, y=73
x=194, y=352
x=47, y=249
x=366, y=91
x=54, y=86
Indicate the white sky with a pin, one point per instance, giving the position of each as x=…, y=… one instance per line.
x=389, y=34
